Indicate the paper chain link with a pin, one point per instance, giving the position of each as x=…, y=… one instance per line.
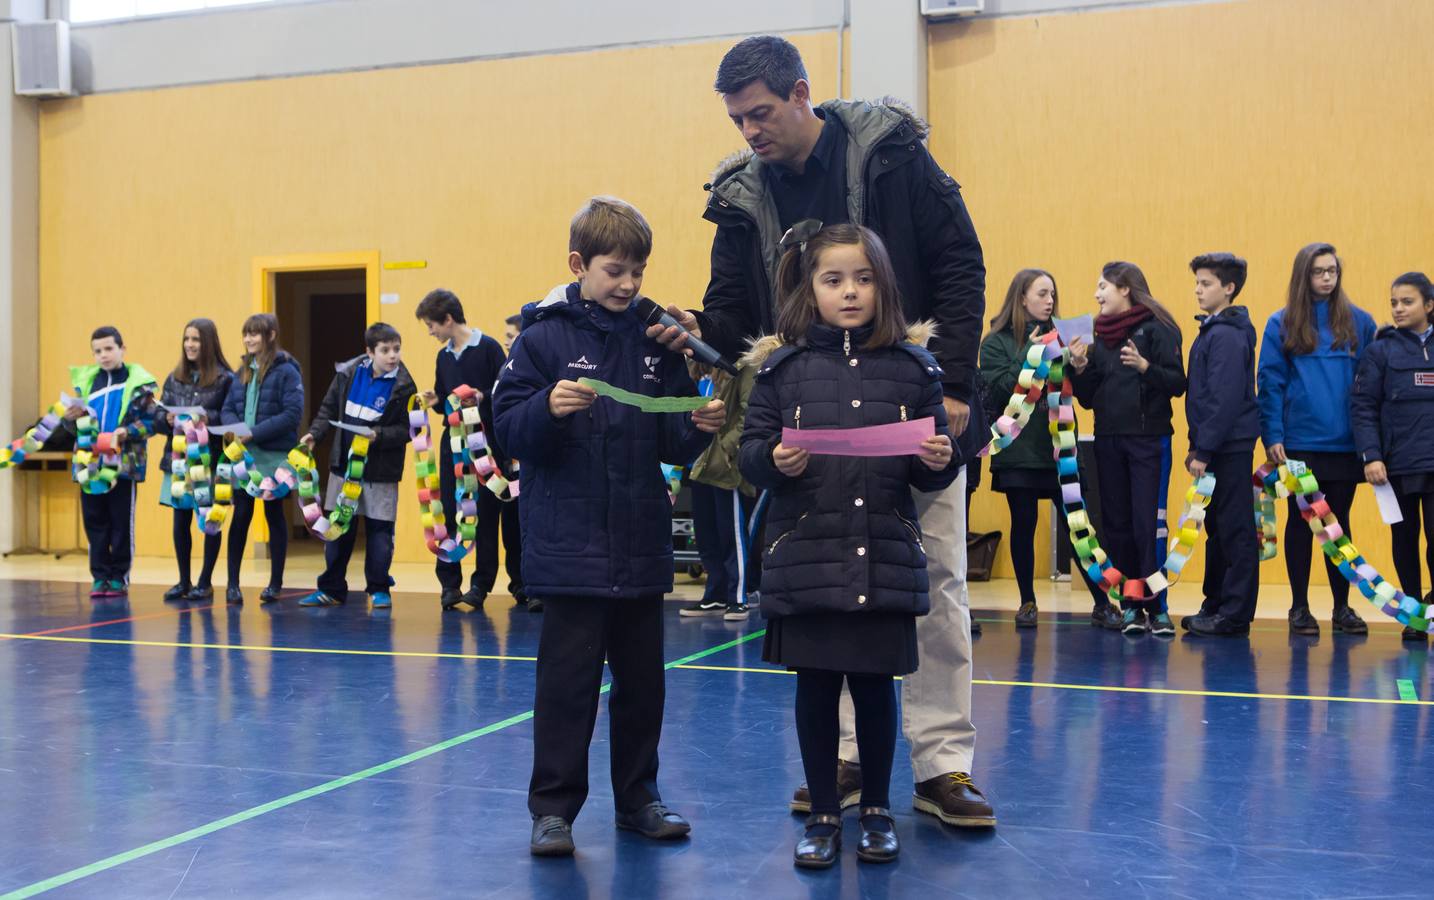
x=95, y=463
x=1043, y=372
x=340, y=519
x=1295, y=479
x=473, y=464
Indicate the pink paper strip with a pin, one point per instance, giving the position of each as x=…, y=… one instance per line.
x=896, y=439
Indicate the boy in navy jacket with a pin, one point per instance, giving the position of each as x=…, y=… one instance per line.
x=597, y=522
x=1224, y=422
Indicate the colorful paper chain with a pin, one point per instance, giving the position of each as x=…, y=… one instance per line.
x=190, y=483
x=239, y=470
x=337, y=522
x=473, y=464
x=1295, y=478
x=1043, y=372
x=34, y=439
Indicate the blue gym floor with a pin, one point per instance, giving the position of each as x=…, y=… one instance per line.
x=149, y=750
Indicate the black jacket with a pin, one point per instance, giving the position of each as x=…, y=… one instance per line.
x=281, y=404
x=1392, y=406
x=390, y=438
x=1220, y=407
x=1126, y=402
x=187, y=393
x=843, y=536
x=895, y=188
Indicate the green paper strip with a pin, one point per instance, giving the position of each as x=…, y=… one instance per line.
x=1406, y=689
x=644, y=402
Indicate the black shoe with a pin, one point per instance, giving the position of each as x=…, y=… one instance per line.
x=178, y=592
x=819, y=851
x=535, y=605
x=232, y=594
x=737, y=611
x=703, y=608
x=1106, y=616
x=1217, y=625
x=975, y=628
x=270, y=593
x=1133, y=621
x=475, y=597
x=200, y=594
x=1413, y=634
x=1301, y=622
x=655, y=821
x=551, y=836
x=878, y=844
x=1026, y=616
x=1348, y=621
x=848, y=789
x=450, y=599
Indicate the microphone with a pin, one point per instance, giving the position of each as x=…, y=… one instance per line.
x=653, y=314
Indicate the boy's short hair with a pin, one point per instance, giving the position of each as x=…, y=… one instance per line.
x=607, y=226
x=766, y=57
x=438, y=305
x=107, y=331
x=515, y=321
x=381, y=333
x=1228, y=267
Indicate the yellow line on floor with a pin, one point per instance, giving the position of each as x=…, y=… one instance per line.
x=262, y=647
x=1126, y=690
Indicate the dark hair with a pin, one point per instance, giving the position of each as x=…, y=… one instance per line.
x=381, y=333
x=515, y=321
x=1300, y=333
x=267, y=325
x=1128, y=275
x=1416, y=280
x=797, y=309
x=609, y=226
x=211, y=362
x=439, y=305
x=107, y=331
x=1227, y=267
x=767, y=57
x=1012, y=314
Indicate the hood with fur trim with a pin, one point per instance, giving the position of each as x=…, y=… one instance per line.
x=918, y=334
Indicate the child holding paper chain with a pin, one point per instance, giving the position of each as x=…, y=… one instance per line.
x=202, y=378
x=597, y=523
x=1393, y=416
x=844, y=573
x=268, y=397
x=1128, y=377
x=1025, y=472
x=1224, y=423
x=1308, y=359
x=368, y=392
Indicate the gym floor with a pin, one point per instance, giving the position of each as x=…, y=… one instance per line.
x=172, y=750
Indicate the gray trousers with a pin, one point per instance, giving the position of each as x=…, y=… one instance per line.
x=936, y=699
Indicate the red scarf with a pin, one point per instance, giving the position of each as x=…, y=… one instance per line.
x=1115, y=329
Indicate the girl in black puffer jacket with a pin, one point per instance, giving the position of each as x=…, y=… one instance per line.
x=202, y=378
x=844, y=569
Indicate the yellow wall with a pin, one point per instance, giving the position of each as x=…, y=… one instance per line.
x=155, y=203
x=1153, y=134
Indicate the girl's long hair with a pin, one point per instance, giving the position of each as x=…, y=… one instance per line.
x=211, y=362
x=267, y=325
x=797, y=304
x=1128, y=275
x=1012, y=314
x=1300, y=333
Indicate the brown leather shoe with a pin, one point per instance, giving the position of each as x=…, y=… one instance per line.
x=848, y=789
x=955, y=800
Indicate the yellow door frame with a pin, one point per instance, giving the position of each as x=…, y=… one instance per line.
x=265, y=267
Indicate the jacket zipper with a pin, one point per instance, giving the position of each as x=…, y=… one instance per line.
x=903, y=412
x=772, y=547
x=846, y=343
x=799, y=417
x=915, y=533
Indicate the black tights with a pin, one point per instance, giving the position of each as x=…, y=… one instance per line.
x=1406, y=542
x=184, y=547
x=1299, y=547
x=1025, y=506
x=874, y=697
x=239, y=536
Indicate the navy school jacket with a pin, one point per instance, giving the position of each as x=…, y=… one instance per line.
x=596, y=518
x=1392, y=406
x=1220, y=403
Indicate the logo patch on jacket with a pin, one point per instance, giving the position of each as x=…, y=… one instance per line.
x=583, y=364
x=1424, y=379
x=651, y=363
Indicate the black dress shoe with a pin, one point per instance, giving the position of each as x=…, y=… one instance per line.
x=815, y=851
x=200, y=594
x=535, y=605
x=878, y=836
x=1413, y=634
x=655, y=821
x=450, y=599
x=552, y=836
x=1348, y=621
x=178, y=592
x=1106, y=616
x=475, y=598
x=1217, y=626
x=975, y=628
x=270, y=593
x=232, y=594
x=1301, y=622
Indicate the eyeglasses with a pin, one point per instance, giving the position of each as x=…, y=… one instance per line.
x=1320, y=273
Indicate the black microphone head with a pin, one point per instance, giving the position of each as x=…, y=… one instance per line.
x=648, y=310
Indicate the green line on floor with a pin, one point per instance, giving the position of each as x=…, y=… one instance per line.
x=1406, y=689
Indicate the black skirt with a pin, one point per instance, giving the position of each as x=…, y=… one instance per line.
x=864, y=643
x=1417, y=483
x=1043, y=482
x=1328, y=466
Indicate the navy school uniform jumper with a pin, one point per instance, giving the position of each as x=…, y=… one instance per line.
x=1224, y=423
x=1393, y=415
x=475, y=364
x=597, y=538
